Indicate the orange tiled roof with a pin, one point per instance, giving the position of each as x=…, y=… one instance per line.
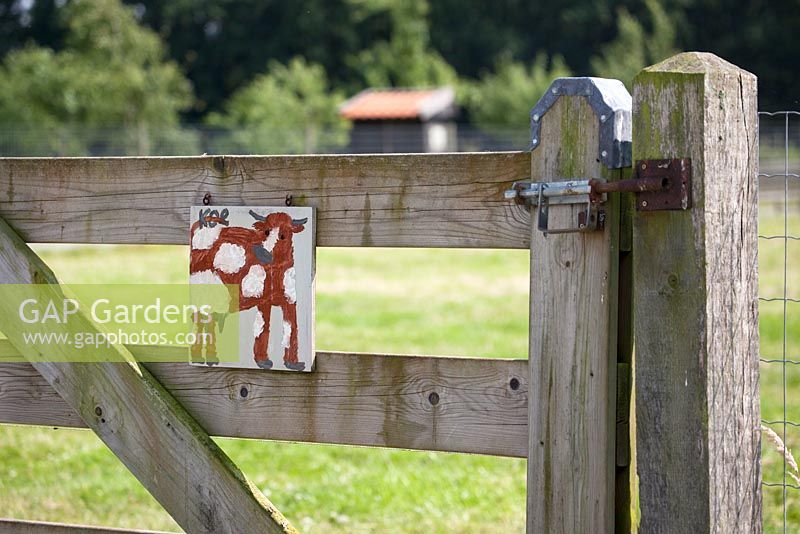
x=376, y=104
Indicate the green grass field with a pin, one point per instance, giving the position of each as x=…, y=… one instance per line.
x=409, y=301
x=771, y=322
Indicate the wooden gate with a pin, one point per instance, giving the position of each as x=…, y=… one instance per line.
x=689, y=289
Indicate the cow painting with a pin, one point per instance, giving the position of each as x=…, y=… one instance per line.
x=257, y=257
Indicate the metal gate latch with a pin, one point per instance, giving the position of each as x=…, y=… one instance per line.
x=659, y=184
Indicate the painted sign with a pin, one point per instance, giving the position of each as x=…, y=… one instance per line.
x=266, y=255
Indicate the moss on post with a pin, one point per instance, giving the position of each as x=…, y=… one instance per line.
x=695, y=296
x=573, y=337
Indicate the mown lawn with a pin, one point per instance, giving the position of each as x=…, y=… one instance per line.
x=408, y=301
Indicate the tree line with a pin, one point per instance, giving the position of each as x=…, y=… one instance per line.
x=255, y=68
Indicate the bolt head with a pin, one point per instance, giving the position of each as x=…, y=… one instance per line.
x=603, y=118
x=604, y=153
x=535, y=118
x=535, y=141
x=644, y=203
x=554, y=91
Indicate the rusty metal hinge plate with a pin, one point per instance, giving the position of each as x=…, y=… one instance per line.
x=676, y=176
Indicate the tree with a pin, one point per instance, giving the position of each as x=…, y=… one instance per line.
x=111, y=76
x=290, y=109
x=634, y=48
x=38, y=101
x=222, y=45
x=505, y=97
x=406, y=59
x=24, y=22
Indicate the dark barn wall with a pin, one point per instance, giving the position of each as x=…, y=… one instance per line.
x=378, y=136
x=387, y=136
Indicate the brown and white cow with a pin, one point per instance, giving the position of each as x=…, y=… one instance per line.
x=260, y=261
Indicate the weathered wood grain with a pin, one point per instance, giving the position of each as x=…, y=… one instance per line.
x=354, y=399
x=21, y=526
x=572, y=341
x=145, y=427
x=696, y=315
x=401, y=200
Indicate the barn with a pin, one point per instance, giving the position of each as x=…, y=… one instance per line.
x=402, y=120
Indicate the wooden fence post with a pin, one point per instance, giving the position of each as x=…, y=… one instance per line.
x=581, y=129
x=695, y=302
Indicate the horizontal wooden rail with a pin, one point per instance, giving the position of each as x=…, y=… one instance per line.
x=403, y=200
x=21, y=526
x=412, y=402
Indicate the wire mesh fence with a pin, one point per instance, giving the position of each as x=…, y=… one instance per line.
x=779, y=296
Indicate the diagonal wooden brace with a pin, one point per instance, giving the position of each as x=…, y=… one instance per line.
x=143, y=425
